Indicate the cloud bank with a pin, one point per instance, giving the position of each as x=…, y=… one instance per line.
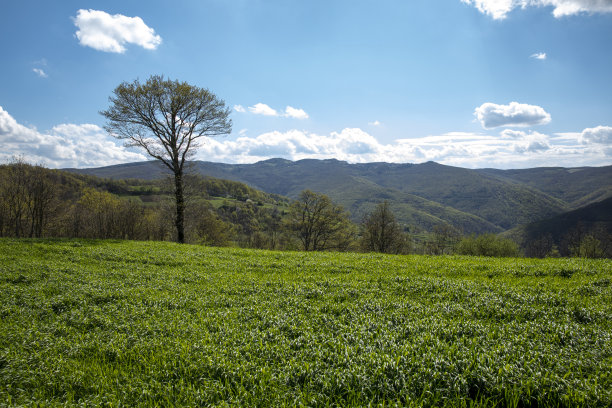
x=66, y=145
x=87, y=145
x=499, y=9
x=491, y=115
x=509, y=149
x=109, y=33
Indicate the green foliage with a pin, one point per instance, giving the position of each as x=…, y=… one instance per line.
x=487, y=245
x=100, y=323
x=590, y=247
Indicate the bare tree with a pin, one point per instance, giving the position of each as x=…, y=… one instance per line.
x=381, y=232
x=319, y=223
x=42, y=193
x=166, y=119
x=14, y=192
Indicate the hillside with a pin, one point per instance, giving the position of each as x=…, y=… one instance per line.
x=578, y=186
x=565, y=231
x=39, y=202
x=423, y=195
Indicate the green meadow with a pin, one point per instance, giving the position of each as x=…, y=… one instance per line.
x=118, y=323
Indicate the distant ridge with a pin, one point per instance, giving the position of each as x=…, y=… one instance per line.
x=422, y=195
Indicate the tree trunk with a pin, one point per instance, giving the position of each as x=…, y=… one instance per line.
x=180, y=207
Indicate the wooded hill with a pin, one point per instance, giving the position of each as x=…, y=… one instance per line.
x=421, y=195
x=38, y=202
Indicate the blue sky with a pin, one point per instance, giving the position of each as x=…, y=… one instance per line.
x=472, y=83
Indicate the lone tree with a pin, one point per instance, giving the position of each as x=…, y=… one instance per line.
x=166, y=118
x=381, y=232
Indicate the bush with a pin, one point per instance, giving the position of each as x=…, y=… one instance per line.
x=487, y=245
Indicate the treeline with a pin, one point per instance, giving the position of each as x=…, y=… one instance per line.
x=38, y=202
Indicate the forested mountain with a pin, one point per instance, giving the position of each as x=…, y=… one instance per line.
x=422, y=195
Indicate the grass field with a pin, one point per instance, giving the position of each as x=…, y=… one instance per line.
x=99, y=323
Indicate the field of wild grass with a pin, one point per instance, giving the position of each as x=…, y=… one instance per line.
x=109, y=323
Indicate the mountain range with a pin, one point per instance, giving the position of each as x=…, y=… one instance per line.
x=421, y=195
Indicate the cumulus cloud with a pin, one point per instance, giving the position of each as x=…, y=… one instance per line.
x=375, y=123
x=539, y=56
x=263, y=109
x=528, y=142
x=491, y=115
x=499, y=9
x=66, y=145
x=104, y=32
x=295, y=113
x=40, y=72
x=599, y=135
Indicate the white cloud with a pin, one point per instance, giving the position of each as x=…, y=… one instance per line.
x=599, y=135
x=262, y=109
x=66, y=145
x=528, y=142
x=295, y=113
x=40, y=72
x=375, y=123
x=104, y=32
x=499, y=9
x=491, y=115
x=538, y=56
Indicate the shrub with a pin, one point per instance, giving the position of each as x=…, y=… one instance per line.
x=487, y=245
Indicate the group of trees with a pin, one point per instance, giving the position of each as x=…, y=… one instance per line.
x=580, y=241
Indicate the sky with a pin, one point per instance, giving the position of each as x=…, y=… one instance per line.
x=469, y=83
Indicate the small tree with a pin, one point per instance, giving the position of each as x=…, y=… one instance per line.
x=319, y=223
x=381, y=232
x=444, y=237
x=590, y=247
x=166, y=119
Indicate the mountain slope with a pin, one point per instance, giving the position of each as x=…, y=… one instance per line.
x=577, y=186
x=566, y=230
x=421, y=194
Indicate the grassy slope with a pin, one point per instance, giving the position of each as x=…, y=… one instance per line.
x=143, y=324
